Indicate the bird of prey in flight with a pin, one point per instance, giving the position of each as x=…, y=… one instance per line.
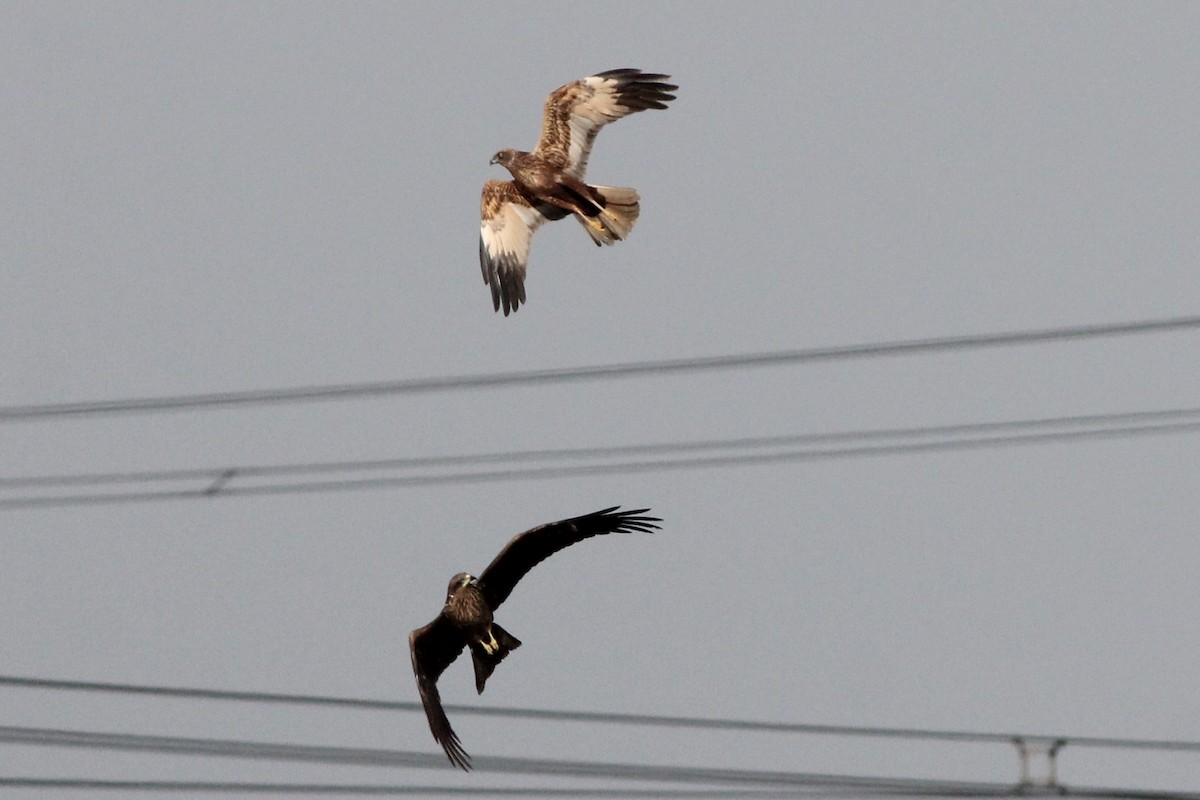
x=548, y=183
x=466, y=618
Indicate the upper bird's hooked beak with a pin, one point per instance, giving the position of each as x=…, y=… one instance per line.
x=495, y=159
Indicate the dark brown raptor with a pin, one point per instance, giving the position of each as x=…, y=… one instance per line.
x=466, y=618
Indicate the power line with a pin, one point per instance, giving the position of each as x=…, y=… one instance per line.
x=812, y=782
x=354, y=789
x=219, y=787
x=231, y=787
x=227, y=473
x=710, y=776
x=711, y=723
x=219, y=486
x=374, y=757
x=329, y=392
x=326, y=789
x=188, y=693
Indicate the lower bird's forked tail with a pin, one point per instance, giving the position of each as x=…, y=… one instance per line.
x=489, y=651
x=619, y=211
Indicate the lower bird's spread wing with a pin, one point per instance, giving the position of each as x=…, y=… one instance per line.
x=508, y=218
x=528, y=549
x=575, y=113
x=434, y=647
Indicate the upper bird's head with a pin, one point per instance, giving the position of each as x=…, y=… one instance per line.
x=503, y=156
x=459, y=581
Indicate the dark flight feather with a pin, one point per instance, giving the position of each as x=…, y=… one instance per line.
x=526, y=550
x=434, y=647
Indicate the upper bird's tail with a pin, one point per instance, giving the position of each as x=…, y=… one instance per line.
x=487, y=652
x=619, y=210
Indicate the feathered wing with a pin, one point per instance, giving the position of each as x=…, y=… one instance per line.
x=508, y=218
x=526, y=550
x=434, y=647
x=575, y=113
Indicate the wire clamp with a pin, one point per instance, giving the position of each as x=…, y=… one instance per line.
x=1048, y=748
x=219, y=482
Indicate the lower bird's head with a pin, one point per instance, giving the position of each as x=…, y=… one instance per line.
x=459, y=581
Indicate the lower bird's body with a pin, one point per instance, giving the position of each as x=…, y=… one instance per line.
x=468, y=610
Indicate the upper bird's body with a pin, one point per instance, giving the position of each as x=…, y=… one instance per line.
x=548, y=182
x=466, y=618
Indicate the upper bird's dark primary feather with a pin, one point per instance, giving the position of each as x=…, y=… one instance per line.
x=575, y=113
x=526, y=550
x=509, y=217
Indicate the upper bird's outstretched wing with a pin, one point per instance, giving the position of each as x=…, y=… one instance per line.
x=508, y=218
x=434, y=647
x=575, y=113
x=526, y=550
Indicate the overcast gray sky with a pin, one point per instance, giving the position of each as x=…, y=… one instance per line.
x=218, y=197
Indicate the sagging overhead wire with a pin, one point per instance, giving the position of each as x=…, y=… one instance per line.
x=227, y=473
x=374, y=757
x=377, y=790
x=710, y=723
x=223, y=481
x=823, y=784
x=331, y=392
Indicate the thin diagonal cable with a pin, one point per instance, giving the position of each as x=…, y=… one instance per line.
x=191, y=693
x=226, y=473
x=233, y=787
x=910, y=789
x=591, y=470
x=271, y=751
x=331, y=392
x=712, y=776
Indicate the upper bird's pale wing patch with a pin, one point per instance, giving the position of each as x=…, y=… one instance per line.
x=508, y=218
x=575, y=113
